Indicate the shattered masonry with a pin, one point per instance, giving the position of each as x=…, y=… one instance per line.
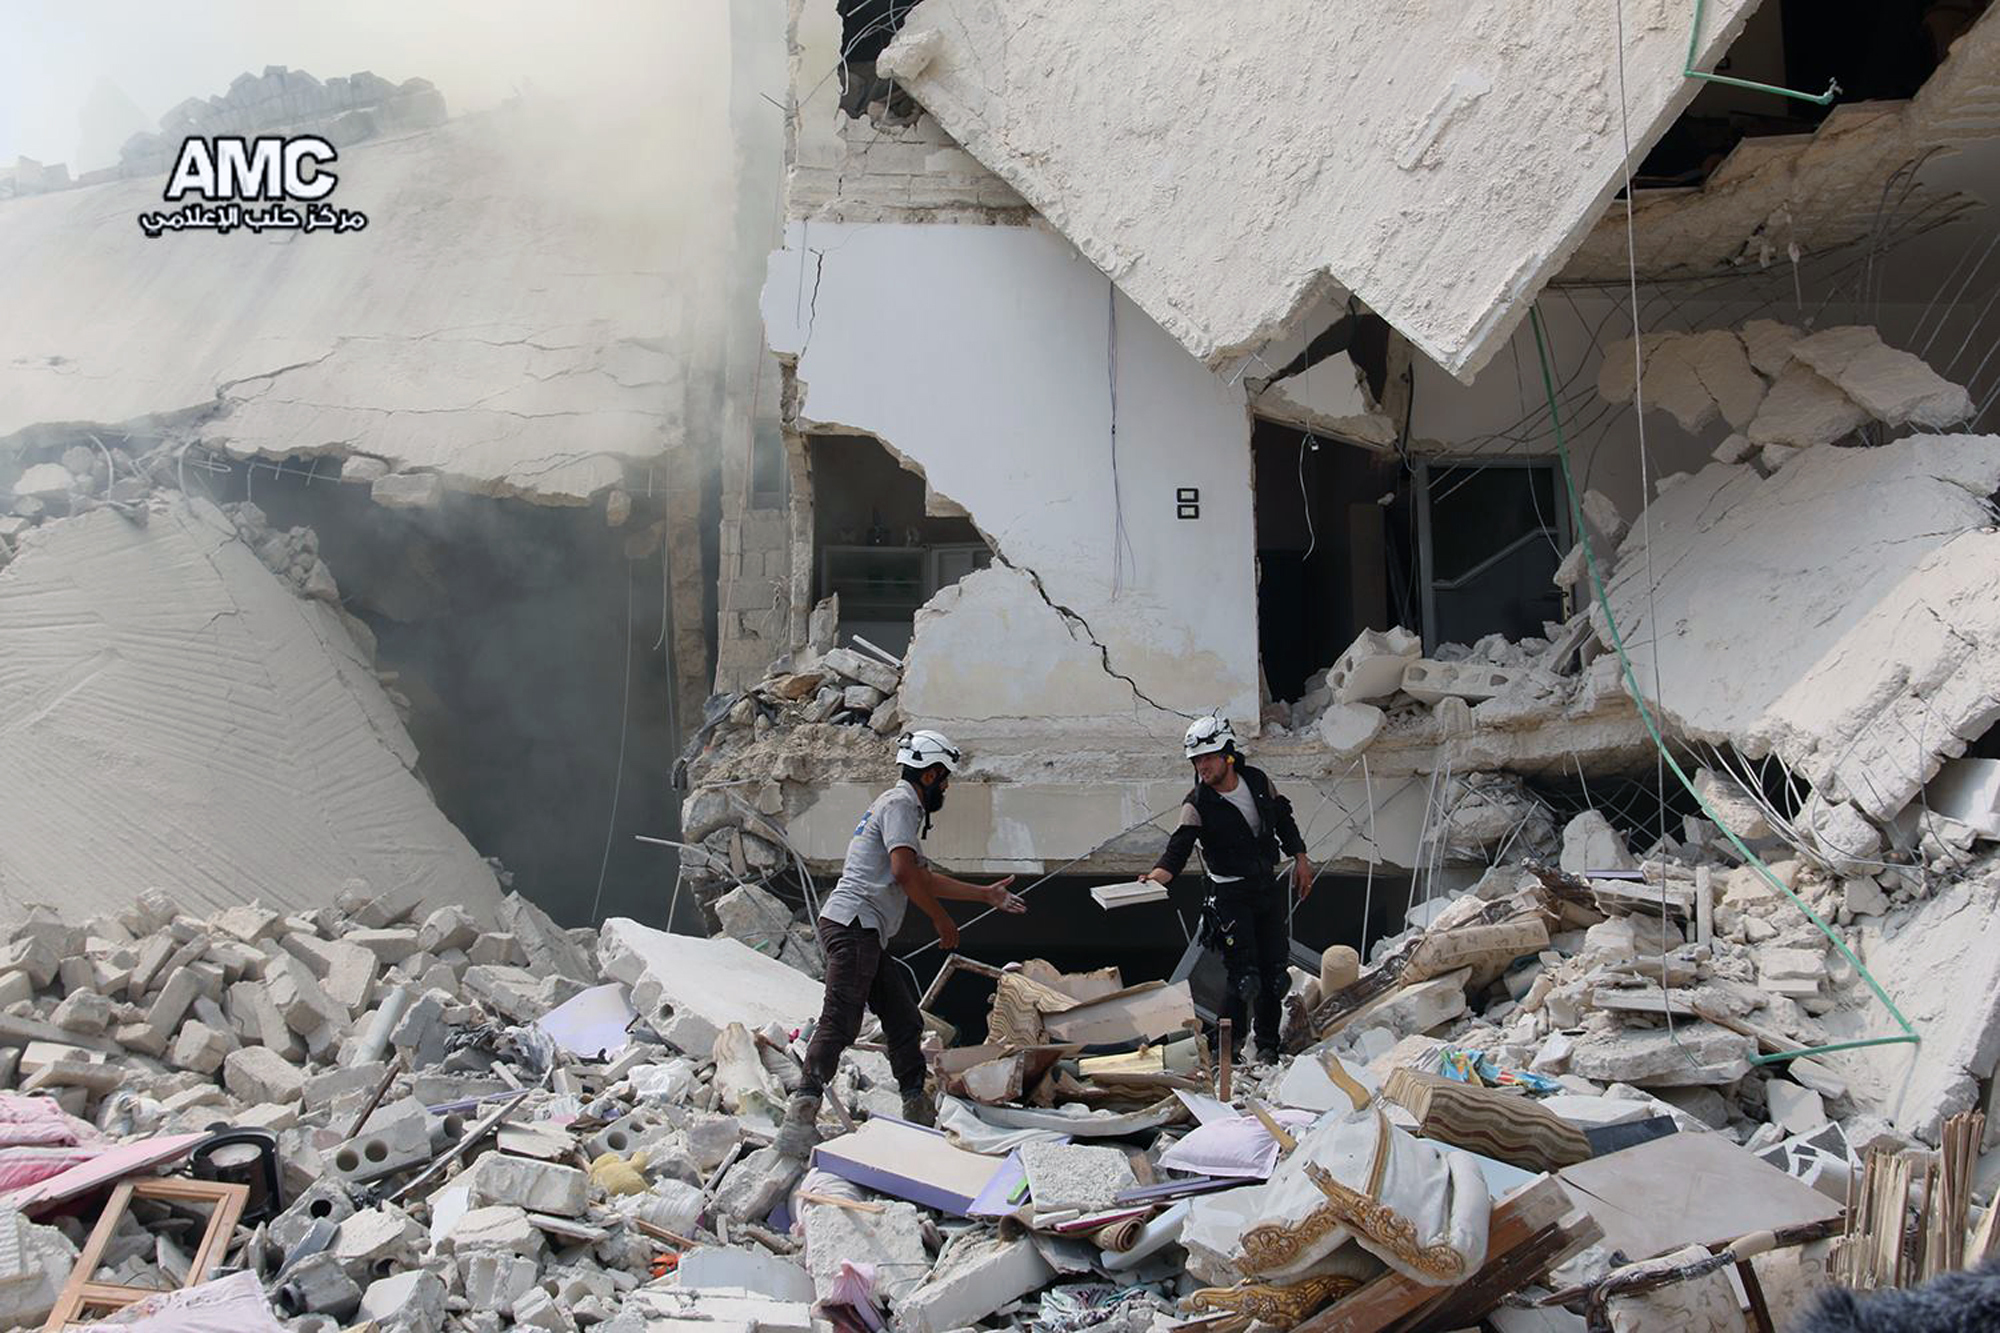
x=1122, y=335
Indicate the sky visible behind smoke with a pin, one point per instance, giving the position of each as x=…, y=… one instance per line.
x=56, y=54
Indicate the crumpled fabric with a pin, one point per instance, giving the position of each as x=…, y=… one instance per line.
x=674, y=1081
x=964, y=1127
x=1239, y=1147
x=854, y=1287
x=38, y=1140
x=1093, y=1305
x=1420, y=1208
x=40, y=1122
x=1478, y=1069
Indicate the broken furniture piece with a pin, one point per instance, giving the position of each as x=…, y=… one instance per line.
x=82, y=1294
x=1508, y=1127
x=1531, y=1231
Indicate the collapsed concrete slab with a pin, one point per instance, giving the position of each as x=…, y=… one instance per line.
x=1306, y=145
x=175, y=717
x=1051, y=476
x=1812, y=192
x=704, y=984
x=1857, y=642
x=1911, y=952
x=502, y=322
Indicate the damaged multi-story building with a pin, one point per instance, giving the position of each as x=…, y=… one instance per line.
x=1138, y=365
x=1559, y=440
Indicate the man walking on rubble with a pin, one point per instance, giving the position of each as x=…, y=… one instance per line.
x=1241, y=822
x=885, y=872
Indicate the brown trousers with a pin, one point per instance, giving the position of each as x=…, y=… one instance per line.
x=861, y=975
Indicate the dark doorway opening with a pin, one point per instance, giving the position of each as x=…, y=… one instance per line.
x=1064, y=926
x=1493, y=533
x=1324, y=551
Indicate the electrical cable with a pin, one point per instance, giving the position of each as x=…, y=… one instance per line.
x=1909, y=1032
x=1144, y=820
x=618, y=779
x=1305, y=500
x=1121, y=544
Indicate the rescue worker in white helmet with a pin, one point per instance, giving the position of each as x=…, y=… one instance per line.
x=884, y=873
x=1242, y=823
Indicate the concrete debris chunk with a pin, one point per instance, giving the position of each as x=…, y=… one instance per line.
x=1372, y=667
x=539, y=1187
x=862, y=669
x=1893, y=386
x=1805, y=410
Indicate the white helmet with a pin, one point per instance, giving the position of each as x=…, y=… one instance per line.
x=1209, y=734
x=921, y=749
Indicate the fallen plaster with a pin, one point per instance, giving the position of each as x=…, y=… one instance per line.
x=504, y=319
x=1857, y=642
x=1329, y=396
x=1005, y=404
x=1779, y=386
x=173, y=716
x=1814, y=191
x=1262, y=155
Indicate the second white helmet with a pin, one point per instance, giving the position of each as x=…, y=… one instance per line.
x=921, y=749
x=1209, y=734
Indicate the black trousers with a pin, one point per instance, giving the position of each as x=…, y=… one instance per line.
x=1254, y=938
x=860, y=974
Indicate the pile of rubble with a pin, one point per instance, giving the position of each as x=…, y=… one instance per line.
x=475, y=1128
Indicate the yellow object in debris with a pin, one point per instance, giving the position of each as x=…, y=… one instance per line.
x=616, y=1175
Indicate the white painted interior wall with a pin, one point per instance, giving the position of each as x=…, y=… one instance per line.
x=986, y=357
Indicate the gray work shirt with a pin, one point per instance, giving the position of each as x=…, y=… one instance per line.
x=868, y=892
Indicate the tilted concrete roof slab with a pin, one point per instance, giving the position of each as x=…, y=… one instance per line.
x=509, y=318
x=1225, y=166
x=174, y=716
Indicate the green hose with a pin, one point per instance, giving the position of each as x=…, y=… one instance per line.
x=1694, y=46
x=1659, y=742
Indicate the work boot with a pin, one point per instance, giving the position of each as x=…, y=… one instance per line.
x=918, y=1109
x=800, y=1130
x=1267, y=1055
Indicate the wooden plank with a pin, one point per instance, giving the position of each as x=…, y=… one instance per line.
x=1645, y=899
x=1704, y=905
x=1144, y=1013
x=1392, y=1297
x=1468, y=1302
x=1641, y=1000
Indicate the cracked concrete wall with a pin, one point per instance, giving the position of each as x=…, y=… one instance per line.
x=985, y=357
x=172, y=715
x=845, y=170
x=1838, y=614
x=509, y=318
x=1441, y=166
